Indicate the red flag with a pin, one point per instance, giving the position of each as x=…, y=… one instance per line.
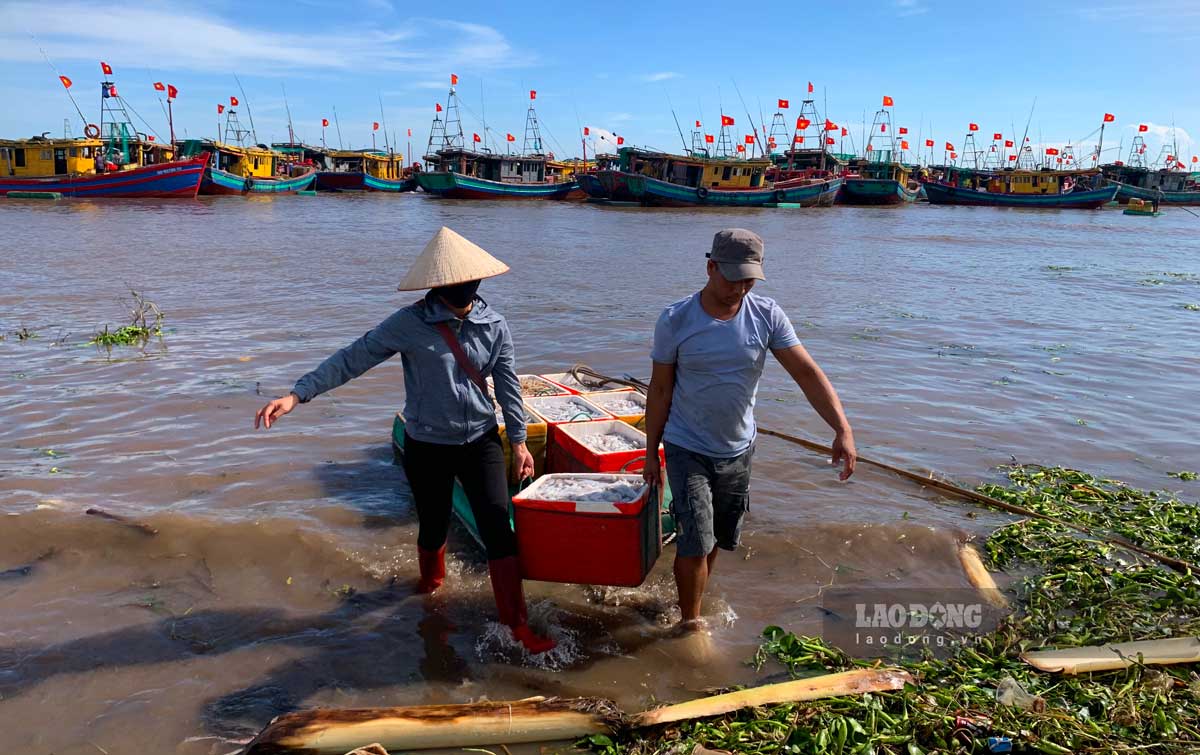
x=1109, y=117
x=151, y=137
x=783, y=104
x=437, y=107
x=324, y=122
x=475, y=137
x=106, y=68
x=1195, y=159
x=830, y=125
x=112, y=91
x=172, y=92
x=870, y=148
x=410, y=132
x=1170, y=158
x=233, y=102
x=1051, y=151
x=810, y=88
x=887, y=101
x=997, y=137
x=159, y=86
x=903, y=131
x=928, y=142
x=220, y=108
x=949, y=147
x=726, y=120
x=1143, y=128
x=798, y=140
x=697, y=124
x=374, y=125
x=845, y=131
x=829, y=140
x=510, y=138
x=620, y=140
x=749, y=138
x=65, y=82
x=972, y=127
x=1012, y=158
x=953, y=155
x=993, y=148
x=453, y=79
x=586, y=131
x=903, y=144
x=1059, y=159
x=883, y=128
x=741, y=148
x=1008, y=142
x=803, y=123
x=533, y=94
x=1179, y=164
x=708, y=138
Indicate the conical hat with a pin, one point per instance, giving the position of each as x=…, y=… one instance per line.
x=449, y=259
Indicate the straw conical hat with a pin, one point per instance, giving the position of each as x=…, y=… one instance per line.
x=449, y=259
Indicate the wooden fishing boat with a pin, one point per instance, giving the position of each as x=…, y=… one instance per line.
x=238, y=170
x=1185, y=196
x=135, y=167
x=590, y=184
x=1087, y=199
x=1141, y=207
x=879, y=183
x=802, y=192
x=172, y=179
x=349, y=170
x=220, y=182
x=1168, y=185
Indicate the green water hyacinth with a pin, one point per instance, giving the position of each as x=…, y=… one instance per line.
x=1078, y=591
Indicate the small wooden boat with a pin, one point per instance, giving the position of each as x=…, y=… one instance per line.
x=237, y=169
x=1141, y=207
x=453, y=185
x=174, y=179
x=363, y=170
x=218, y=182
x=804, y=193
x=1022, y=188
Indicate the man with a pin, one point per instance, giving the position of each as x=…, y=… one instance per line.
x=709, y=351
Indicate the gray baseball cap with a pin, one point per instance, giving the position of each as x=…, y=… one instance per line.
x=738, y=254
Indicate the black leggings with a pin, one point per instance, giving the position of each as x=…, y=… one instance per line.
x=479, y=466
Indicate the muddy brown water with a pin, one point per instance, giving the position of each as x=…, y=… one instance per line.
x=959, y=338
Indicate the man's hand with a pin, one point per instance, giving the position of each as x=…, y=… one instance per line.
x=652, y=472
x=522, y=462
x=268, y=414
x=844, y=453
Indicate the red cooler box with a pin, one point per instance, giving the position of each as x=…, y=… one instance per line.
x=597, y=447
x=590, y=529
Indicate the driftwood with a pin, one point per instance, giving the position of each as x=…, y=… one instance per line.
x=334, y=732
x=141, y=527
x=980, y=577
x=1115, y=656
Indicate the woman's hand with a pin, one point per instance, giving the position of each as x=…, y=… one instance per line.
x=522, y=462
x=845, y=454
x=274, y=410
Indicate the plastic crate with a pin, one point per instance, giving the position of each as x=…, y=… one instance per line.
x=569, y=383
x=536, y=440
x=604, y=399
x=587, y=542
x=528, y=384
x=570, y=451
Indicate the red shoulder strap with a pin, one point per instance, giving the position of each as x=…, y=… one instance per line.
x=460, y=356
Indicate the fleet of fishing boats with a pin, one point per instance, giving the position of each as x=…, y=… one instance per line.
x=114, y=159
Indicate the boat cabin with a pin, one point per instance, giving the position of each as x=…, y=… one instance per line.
x=808, y=163
x=565, y=170
x=256, y=161
x=880, y=164
x=696, y=171
x=42, y=157
x=304, y=153
x=1145, y=178
x=368, y=161
x=1012, y=181
x=518, y=169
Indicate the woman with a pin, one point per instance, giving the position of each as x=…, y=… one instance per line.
x=449, y=342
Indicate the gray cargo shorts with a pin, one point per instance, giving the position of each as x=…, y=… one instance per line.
x=710, y=497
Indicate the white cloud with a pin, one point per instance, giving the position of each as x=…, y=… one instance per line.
x=661, y=76
x=181, y=38
x=906, y=8
x=618, y=117
x=1163, y=133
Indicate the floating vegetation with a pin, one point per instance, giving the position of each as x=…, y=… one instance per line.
x=1150, y=282
x=145, y=323
x=1192, y=307
x=1059, y=268
x=1183, y=475
x=984, y=697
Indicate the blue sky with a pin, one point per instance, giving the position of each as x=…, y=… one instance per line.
x=615, y=65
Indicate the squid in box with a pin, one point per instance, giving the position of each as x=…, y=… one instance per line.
x=595, y=529
x=627, y=405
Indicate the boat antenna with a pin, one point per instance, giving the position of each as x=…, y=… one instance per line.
x=338, y=126
x=383, y=119
x=287, y=108
x=763, y=121
x=250, y=115
x=749, y=117
x=67, y=89
x=1024, y=136
x=677, y=127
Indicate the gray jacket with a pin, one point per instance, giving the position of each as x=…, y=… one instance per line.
x=442, y=404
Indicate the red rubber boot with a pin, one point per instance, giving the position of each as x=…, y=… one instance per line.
x=433, y=569
x=510, y=604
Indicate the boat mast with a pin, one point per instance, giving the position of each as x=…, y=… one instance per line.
x=287, y=108
x=253, y=132
x=533, y=132
x=338, y=125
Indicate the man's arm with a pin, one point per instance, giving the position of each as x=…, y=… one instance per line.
x=820, y=393
x=658, y=406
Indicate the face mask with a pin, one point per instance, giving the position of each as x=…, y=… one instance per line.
x=459, y=295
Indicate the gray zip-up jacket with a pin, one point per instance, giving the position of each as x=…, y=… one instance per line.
x=442, y=404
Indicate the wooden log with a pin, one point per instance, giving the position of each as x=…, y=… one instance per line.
x=980, y=577
x=1120, y=655
x=854, y=682
x=141, y=527
x=335, y=732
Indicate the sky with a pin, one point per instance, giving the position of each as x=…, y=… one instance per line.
x=626, y=68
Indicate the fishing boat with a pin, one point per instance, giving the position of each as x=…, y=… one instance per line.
x=68, y=166
x=1168, y=186
x=238, y=170
x=364, y=170
x=456, y=172
x=1061, y=189
x=880, y=178
x=664, y=180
